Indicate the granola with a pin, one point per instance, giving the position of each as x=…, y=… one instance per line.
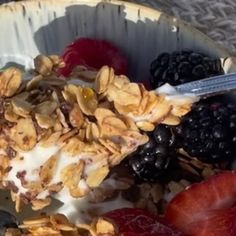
x=67, y=136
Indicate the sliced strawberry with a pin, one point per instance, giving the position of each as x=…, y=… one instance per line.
x=191, y=205
x=214, y=223
x=94, y=54
x=137, y=222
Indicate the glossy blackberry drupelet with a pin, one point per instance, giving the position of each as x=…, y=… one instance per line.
x=208, y=132
x=181, y=67
x=152, y=160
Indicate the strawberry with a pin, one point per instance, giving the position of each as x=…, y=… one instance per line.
x=215, y=223
x=93, y=54
x=137, y=222
x=197, y=202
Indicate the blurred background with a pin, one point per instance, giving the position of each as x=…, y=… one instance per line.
x=216, y=18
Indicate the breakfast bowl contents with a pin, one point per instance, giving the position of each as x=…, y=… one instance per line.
x=59, y=136
x=89, y=143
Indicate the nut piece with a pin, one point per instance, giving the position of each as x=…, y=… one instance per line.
x=24, y=134
x=10, y=81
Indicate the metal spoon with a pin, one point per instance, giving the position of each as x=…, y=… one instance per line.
x=209, y=87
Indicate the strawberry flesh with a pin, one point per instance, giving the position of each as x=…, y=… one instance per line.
x=214, y=223
x=195, y=203
x=137, y=222
x=93, y=54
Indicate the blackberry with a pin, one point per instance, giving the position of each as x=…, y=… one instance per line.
x=181, y=67
x=152, y=161
x=208, y=132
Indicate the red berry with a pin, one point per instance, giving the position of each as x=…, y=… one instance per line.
x=196, y=202
x=94, y=54
x=137, y=222
x=214, y=223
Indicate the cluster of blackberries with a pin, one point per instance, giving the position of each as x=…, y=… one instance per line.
x=208, y=132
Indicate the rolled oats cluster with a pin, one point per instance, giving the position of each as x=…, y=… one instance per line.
x=59, y=225
x=57, y=135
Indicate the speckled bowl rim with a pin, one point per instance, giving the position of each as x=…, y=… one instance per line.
x=148, y=10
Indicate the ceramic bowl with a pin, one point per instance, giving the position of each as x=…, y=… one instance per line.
x=29, y=28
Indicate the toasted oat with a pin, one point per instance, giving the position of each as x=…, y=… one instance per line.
x=24, y=134
x=39, y=204
x=128, y=95
x=76, y=116
x=34, y=82
x=4, y=165
x=83, y=74
x=104, y=77
x=171, y=120
x=56, y=60
x=43, y=65
x=10, y=81
x=46, y=108
x=104, y=227
x=95, y=177
x=71, y=176
x=45, y=121
x=47, y=170
x=112, y=125
x=56, y=224
x=175, y=187
x=145, y=125
x=21, y=107
x=87, y=100
x=60, y=222
x=9, y=114
x=101, y=113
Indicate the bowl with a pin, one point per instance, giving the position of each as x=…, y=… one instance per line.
x=45, y=27
x=29, y=28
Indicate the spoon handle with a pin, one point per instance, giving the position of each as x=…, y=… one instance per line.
x=209, y=87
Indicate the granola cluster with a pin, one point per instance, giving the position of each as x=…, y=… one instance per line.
x=59, y=225
x=57, y=134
